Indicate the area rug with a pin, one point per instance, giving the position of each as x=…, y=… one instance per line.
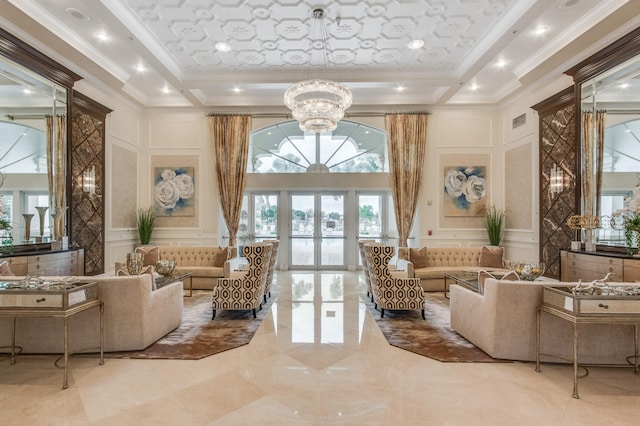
x=198, y=336
x=433, y=338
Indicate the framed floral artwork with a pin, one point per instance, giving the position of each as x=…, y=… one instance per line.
x=174, y=191
x=465, y=190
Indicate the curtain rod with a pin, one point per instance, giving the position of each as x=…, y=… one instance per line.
x=12, y=117
x=347, y=115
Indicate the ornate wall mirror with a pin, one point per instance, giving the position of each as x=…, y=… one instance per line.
x=34, y=99
x=610, y=116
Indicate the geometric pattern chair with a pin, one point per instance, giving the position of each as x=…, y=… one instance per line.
x=245, y=292
x=365, y=266
x=272, y=267
x=389, y=291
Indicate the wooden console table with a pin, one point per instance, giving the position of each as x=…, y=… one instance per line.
x=610, y=307
x=50, y=299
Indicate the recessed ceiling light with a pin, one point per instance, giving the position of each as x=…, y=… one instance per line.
x=222, y=47
x=400, y=89
x=26, y=91
x=140, y=68
x=76, y=13
x=501, y=63
x=102, y=36
x=415, y=44
x=236, y=89
x=624, y=85
x=474, y=87
x=541, y=30
x=165, y=90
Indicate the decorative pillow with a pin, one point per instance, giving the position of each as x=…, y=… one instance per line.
x=150, y=255
x=419, y=257
x=5, y=269
x=483, y=275
x=220, y=257
x=491, y=257
x=122, y=272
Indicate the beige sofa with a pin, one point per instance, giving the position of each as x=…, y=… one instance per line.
x=440, y=260
x=135, y=316
x=502, y=322
x=207, y=264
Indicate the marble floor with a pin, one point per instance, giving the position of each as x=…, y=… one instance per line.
x=318, y=358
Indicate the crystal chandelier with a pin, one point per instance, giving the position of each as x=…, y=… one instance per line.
x=318, y=104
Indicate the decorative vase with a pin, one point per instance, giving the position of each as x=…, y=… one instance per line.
x=41, y=211
x=134, y=263
x=27, y=225
x=58, y=216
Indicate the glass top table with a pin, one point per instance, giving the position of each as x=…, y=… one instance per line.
x=468, y=279
x=164, y=280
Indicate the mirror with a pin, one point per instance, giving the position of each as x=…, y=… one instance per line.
x=610, y=105
x=33, y=113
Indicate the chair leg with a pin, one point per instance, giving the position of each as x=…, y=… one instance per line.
x=381, y=313
x=260, y=306
x=254, y=313
x=375, y=306
x=214, y=315
x=423, y=314
x=269, y=293
x=265, y=298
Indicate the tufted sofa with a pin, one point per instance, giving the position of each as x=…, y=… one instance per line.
x=440, y=260
x=135, y=316
x=207, y=264
x=502, y=322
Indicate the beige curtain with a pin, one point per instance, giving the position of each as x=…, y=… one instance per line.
x=56, y=170
x=230, y=138
x=592, y=152
x=407, y=139
x=601, y=118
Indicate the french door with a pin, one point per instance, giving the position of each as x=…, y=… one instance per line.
x=317, y=234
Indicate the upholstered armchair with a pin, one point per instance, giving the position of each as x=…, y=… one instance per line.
x=245, y=292
x=272, y=267
x=365, y=266
x=392, y=291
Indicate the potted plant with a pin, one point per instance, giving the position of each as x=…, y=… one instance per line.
x=146, y=219
x=494, y=221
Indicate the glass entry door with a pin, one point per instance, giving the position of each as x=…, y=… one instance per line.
x=317, y=232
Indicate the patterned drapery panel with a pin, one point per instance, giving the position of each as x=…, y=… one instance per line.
x=230, y=138
x=407, y=139
x=592, y=152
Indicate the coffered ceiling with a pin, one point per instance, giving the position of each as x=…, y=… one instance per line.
x=166, y=53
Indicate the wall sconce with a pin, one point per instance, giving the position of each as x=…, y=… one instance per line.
x=89, y=181
x=556, y=180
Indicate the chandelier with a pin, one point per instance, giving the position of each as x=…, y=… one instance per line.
x=318, y=104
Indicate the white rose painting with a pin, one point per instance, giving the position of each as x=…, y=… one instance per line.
x=465, y=191
x=174, y=191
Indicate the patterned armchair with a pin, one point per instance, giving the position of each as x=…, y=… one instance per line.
x=389, y=291
x=246, y=292
x=272, y=267
x=365, y=266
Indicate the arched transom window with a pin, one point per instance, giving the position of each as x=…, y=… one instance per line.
x=351, y=148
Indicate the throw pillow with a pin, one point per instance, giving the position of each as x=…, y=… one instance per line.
x=483, y=275
x=150, y=255
x=419, y=257
x=220, y=257
x=491, y=257
x=5, y=269
x=122, y=273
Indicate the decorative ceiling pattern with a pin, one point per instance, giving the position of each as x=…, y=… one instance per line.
x=167, y=53
x=285, y=35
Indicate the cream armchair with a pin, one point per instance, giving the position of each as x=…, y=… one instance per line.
x=245, y=292
x=391, y=291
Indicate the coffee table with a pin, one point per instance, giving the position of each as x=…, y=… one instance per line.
x=468, y=279
x=179, y=276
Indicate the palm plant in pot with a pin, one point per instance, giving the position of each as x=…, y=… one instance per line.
x=494, y=222
x=146, y=219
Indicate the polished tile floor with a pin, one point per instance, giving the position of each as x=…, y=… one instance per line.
x=318, y=358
